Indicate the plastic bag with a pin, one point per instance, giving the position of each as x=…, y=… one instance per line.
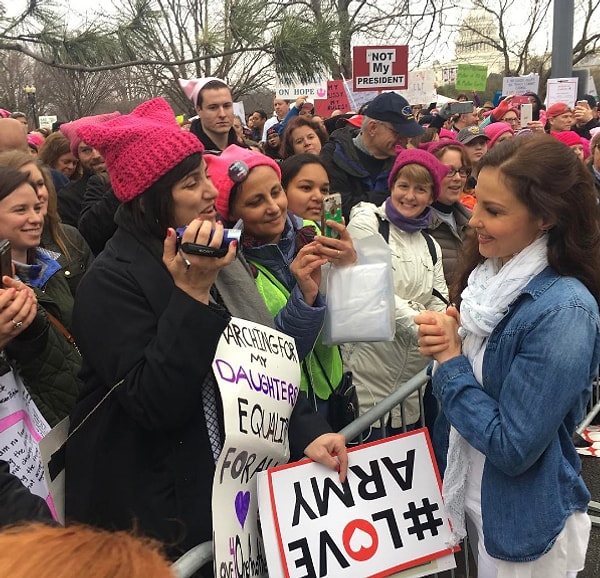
x=360, y=297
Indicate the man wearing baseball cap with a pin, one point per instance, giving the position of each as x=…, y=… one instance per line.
x=559, y=117
x=359, y=162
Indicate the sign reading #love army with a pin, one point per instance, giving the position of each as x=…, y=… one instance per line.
x=387, y=517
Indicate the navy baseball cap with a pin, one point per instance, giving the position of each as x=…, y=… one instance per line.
x=393, y=108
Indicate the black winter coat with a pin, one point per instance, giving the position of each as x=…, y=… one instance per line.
x=143, y=458
x=348, y=176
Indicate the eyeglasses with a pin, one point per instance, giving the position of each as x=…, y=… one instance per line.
x=463, y=172
x=394, y=132
x=512, y=119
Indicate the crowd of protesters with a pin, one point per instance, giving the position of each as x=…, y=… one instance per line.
x=492, y=226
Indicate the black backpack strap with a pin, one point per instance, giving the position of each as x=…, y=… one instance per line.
x=430, y=245
x=384, y=228
x=432, y=252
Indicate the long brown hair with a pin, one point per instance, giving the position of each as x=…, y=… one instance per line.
x=554, y=185
x=17, y=160
x=52, y=551
x=286, y=148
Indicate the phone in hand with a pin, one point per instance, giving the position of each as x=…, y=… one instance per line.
x=463, y=107
x=526, y=114
x=5, y=259
x=332, y=211
x=233, y=234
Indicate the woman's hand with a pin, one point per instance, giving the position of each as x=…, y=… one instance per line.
x=330, y=450
x=306, y=268
x=535, y=126
x=192, y=273
x=438, y=334
x=337, y=251
x=18, y=308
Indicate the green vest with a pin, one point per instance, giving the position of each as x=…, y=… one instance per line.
x=322, y=358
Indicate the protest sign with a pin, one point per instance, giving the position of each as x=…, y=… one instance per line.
x=22, y=427
x=471, y=77
x=315, y=89
x=421, y=87
x=357, y=99
x=258, y=375
x=387, y=517
x=520, y=84
x=561, y=90
x=47, y=121
x=337, y=99
x=380, y=67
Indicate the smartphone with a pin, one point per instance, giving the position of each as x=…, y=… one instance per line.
x=526, y=114
x=464, y=107
x=5, y=259
x=520, y=100
x=583, y=103
x=332, y=211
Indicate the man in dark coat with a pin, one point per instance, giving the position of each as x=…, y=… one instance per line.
x=359, y=161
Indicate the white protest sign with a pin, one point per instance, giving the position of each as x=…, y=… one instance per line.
x=387, y=517
x=561, y=90
x=421, y=89
x=258, y=374
x=520, y=84
x=313, y=90
x=47, y=121
x=21, y=429
x=357, y=99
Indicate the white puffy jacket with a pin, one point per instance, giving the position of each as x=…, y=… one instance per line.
x=379, y=368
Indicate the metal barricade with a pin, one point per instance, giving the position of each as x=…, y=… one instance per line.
x=197, y=557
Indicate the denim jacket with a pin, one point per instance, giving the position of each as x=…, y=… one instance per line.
x=538, y=366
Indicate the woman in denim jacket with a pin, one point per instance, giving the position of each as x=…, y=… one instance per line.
x=514, y=370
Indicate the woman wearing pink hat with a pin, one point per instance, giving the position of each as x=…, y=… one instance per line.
x=148, y=319
x=287, y=258
x=415, y=182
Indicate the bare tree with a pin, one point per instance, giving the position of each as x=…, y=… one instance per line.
x=516, y=51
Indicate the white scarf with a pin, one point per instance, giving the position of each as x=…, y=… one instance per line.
x=484, y=302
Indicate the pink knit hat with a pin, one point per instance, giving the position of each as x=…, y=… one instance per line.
x=35, y=139
x=232, y=166
x=140, y=147
x=4, y=113
x=193, y=86
x=419, y=157
x=70, y=129
x=447, y=134
x=569, y=137
x=495, y=130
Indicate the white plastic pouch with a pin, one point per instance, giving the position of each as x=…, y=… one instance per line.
x=360, y=297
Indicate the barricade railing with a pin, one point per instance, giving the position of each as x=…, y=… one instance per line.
x=200, y=555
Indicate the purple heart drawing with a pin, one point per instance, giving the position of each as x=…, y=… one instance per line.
x=242, y=505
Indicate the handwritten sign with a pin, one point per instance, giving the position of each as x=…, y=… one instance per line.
x=21, y=429
x=421, y=87
x=387, y=516
x=520, y=84
x=258, y=375
x=357, y=99
x=471, y=77
x=380, y=67
x=337, y=99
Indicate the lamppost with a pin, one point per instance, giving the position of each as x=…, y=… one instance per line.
x=30, y=92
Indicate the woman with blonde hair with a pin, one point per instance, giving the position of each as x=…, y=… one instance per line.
x=73, y=252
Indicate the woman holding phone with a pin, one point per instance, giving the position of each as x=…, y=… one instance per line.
x=145, y=457
x=287, y=255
